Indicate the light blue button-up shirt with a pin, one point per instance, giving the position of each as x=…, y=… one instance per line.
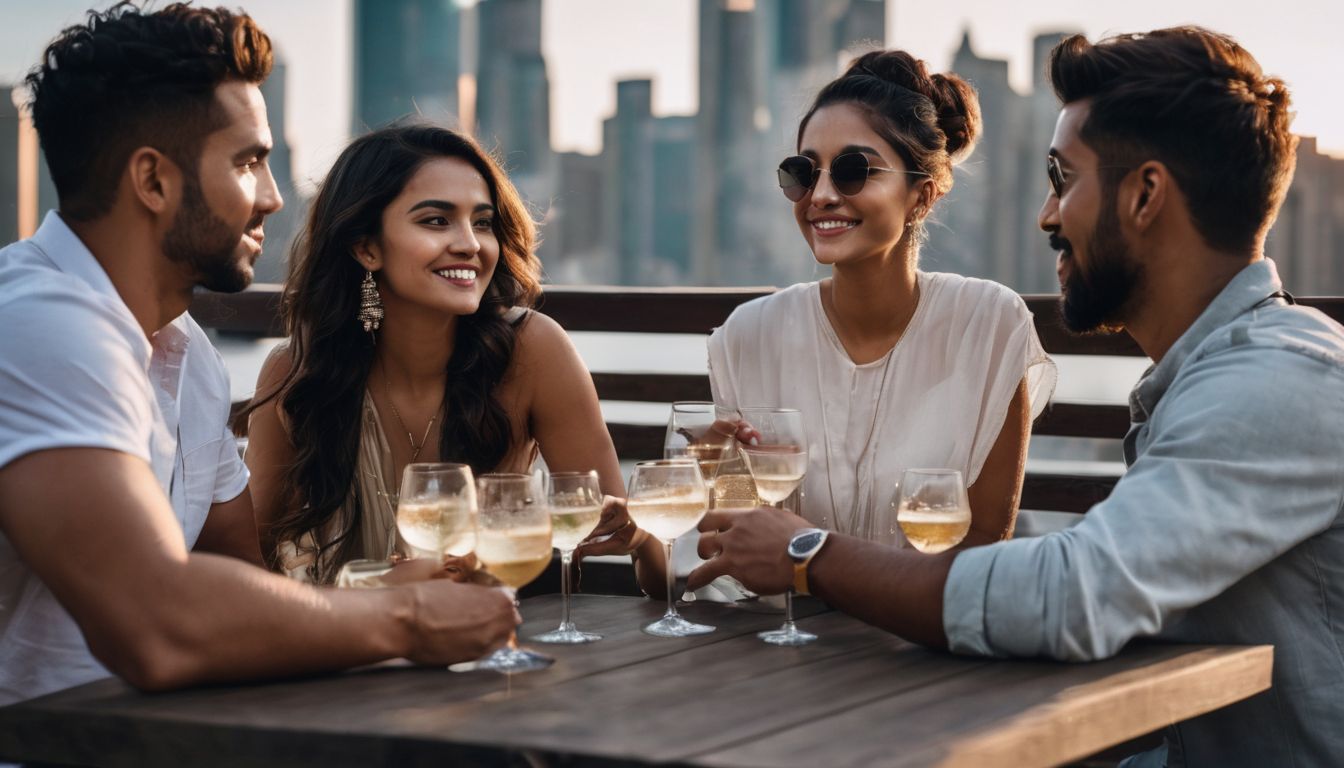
x=1227, y=528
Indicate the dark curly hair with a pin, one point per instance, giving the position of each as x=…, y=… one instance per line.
x=126, y=79
x=1197, y=102
x=332, y=356
x=932, y=121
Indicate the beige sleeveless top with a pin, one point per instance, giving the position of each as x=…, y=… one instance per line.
x=375, y=486
x=376, y=490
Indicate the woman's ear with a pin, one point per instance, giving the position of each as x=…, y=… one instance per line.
x=367, y=254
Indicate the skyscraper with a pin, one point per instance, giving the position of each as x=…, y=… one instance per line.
x=406, y=61
x=976, y=229
x=731, y=130
x=627, y=151
x=513, y=107
x=9, y=166
x=281, y=227
x=1307, y=239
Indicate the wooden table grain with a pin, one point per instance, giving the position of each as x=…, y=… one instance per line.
x=858, y=696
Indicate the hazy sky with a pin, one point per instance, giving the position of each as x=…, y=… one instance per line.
x=591, y=43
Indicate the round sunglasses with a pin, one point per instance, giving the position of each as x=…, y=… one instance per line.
x=849, y=172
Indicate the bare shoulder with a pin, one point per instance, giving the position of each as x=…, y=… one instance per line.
x=276, y=368
x=541, y=340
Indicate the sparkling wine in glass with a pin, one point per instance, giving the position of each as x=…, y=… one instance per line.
x=436, y=509
x=513, y=543
x=932, y=509
x=778, y=463
x=575, y=500
x=667, y=498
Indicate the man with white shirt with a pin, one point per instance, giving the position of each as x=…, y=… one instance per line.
x=112, y=402
x=1170, y=159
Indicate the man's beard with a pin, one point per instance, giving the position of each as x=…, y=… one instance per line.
x=1094, y=301
x=203, y=242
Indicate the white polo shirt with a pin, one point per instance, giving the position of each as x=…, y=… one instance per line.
x=77, y=371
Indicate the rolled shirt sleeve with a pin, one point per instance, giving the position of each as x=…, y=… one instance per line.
x=1244, y=461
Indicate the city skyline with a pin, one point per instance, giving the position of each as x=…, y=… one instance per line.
x=590, y=44
x=636, y=212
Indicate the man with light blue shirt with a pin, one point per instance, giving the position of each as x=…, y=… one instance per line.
x=113, y=454
x=1170, y=159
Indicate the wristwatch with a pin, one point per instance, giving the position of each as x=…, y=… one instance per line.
x=804, y=546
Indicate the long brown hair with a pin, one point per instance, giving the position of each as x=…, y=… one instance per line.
x=323, y=394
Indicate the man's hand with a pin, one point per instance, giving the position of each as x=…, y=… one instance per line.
x=751, y=546
x=622, y=536
x=458, y=622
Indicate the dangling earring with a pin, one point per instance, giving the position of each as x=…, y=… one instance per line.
x=370, y=304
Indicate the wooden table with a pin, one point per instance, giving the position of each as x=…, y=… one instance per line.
x=856, y=697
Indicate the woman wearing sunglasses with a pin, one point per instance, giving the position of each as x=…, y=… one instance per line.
x=893, y=367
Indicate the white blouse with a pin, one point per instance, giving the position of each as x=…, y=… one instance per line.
x=938, y=398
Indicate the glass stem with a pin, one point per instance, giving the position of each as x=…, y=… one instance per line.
x=671, y=577
x=566, y=559
x=788, y=608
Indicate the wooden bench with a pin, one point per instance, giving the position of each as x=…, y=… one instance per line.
x=698, y=311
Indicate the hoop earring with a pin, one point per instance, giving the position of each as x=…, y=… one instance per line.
x=370, y=304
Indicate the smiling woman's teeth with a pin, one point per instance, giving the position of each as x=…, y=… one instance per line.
x=457, y=274
x=832, y=224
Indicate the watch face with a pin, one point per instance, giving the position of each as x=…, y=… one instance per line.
x=805, y=542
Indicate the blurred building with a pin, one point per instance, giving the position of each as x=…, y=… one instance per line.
x=1307, y=240
x=281, y=227
x=406, y=61
x=9, y=166
x=513, y=94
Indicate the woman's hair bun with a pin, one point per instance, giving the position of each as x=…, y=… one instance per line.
x=955, y=102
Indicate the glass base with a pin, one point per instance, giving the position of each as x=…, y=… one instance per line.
x=567, y=634
x=789, y=634
x=506, y=660
x=673, y=625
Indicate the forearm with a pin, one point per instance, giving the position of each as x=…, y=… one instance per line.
x=205, y=627
x=898, y=590
x=650, y=560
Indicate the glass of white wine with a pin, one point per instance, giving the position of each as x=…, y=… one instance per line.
x=701, y=430
x=576, y=506
x=436, y=509
x=932, y=509
x=513, y=543
x=777, y=464
x=667, y=498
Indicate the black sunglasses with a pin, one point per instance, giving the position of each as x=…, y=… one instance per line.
x=849, y=172
x=1055, y=172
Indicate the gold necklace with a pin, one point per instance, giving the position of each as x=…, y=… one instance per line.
x=387, y=395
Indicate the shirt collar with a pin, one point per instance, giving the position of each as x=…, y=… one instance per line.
x=1251, y=286
x=63, y=248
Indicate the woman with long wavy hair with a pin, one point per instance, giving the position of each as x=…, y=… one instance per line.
x=411, y=338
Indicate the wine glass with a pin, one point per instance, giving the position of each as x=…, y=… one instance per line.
x=436, y=509
x=932, y=509
x=667, y=498
x=513, y=543
x=576, y=506
x=777, y=464
x=701, y=430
